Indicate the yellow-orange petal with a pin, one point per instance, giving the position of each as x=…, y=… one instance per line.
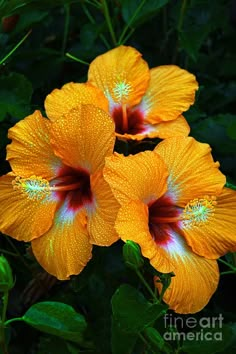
x=132, y=224
x=23, y=218
x=60, y=101
x=192, y=170
x=171, y=92
x=102, y=214
x=196, y=278
x=142, y=176
x=164, y=130
x=65, y=249
x=30, y=152
x=213, y=233
x=176, y=127
x=195, y=281
x=84, y=137
x=121, y=74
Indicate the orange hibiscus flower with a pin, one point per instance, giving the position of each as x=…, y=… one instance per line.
x=174, y=206
x=143, y=102
x=56, y=196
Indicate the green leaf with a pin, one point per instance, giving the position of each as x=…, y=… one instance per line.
x=231, y=131
x=214, y=131
x=191, y=41
x=148, y=10
x=88, y=35
x=18, y=6
x=156, y=340
x=58, y=319
x=132, y=311
x=26, y=21
x=121, y=341
x=52, y=344
x=15, y=96
x=231, y=257
x=212, y=340
x=230, y=185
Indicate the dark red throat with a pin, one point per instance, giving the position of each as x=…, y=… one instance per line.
x=78, y=197
x=135, y=121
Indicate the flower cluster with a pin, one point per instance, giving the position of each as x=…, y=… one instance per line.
x=68, y=190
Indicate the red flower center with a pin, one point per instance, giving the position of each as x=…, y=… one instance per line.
x=162, y=212
x=127, y=120
x=74, y=185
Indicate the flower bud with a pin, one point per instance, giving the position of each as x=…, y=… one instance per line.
x=6, y=278
x=132, y=255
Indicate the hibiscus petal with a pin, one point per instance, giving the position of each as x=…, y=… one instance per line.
x=192, y=170
x=177, y=127
x=21, y=217
x=141, y=176
x=164, y=130
x=102, y=216
x=60, y=101
x=171, y=92
x=30, y=152
x=65, y=249
x=121, y=74
x=195, y=281
x=192, y=272
x=215, y=235
x=132, y=224
x=84, y=137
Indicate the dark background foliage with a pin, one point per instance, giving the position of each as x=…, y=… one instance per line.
x=198, y=35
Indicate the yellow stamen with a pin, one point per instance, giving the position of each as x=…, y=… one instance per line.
x=121, y=91
x=34, y=187
x=198, y=211
x=37, y=188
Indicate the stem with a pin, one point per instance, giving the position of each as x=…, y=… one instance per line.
x=2, y=324
x=145, y=342
x=228, y=272
x=5, y=303
x=76, y=59
x=179, y=27
x=9, y=253
x=228, y=264
x=16, y=319
x=108, y=21
x=91, y=19
x=128, y=35
x=14, y=49
x=94, y=3
x=66, y=28
x=121, y=39
x=18, y=254
x=164, y=20
x=146, y=285
x=3, y=347
x=181, y=17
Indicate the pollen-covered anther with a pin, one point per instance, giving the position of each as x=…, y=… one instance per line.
x=121, y=91
x=34, y=187
x=198, y=211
